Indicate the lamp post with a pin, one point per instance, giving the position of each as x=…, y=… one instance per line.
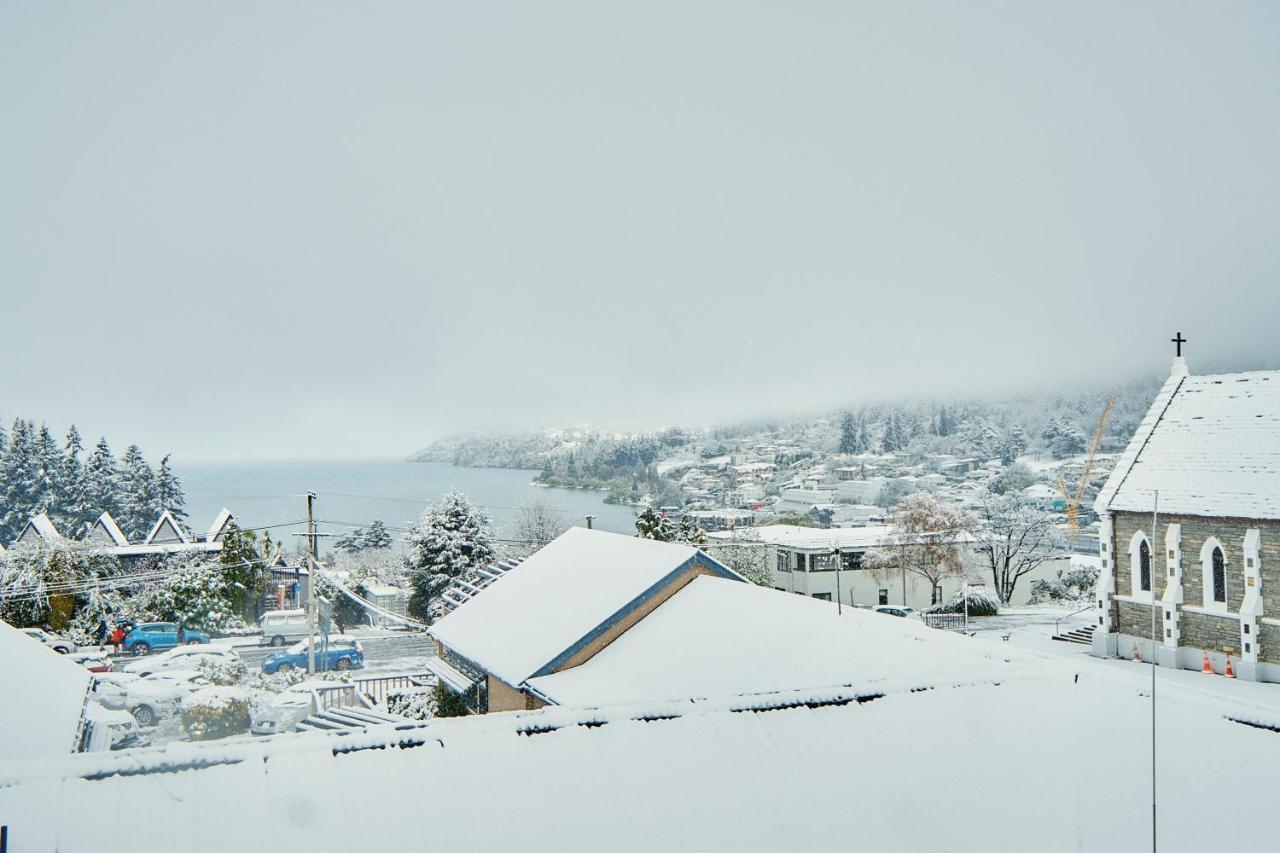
x=835, y=555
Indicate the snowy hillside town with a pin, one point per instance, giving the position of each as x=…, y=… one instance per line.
x=576, y=427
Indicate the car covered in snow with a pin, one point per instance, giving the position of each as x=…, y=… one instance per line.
x=158, y=636
x=159, y=695
x=340, y=652
x=111, y=729
x=182, y=657
x=283, y=711
x=94, y=661
x=53, y=641
x=898, y=610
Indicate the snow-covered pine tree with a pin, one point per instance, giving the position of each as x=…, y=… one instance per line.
x=848, y=434
x=18, y=472
x=48, y=480
x=376, y=537
x=350, y=542
x=73, y=514
x=650, y=525
x=101, y=481
x=452, y=539
x=169, y=494
x=137, y=497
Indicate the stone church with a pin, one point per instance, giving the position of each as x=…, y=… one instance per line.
x=1190, y=529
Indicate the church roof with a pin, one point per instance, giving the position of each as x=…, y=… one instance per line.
x=107, y=529
x=167, y=530
x=1210, y=445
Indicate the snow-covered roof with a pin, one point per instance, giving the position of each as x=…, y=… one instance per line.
x=1209, y=444
x=695, y=776
x=106, y=529
x=707, y=641
x=38, y=526
x=815, y=538
x=218, y=529
x=44, y=698
x=167, y=531
x=583, y=580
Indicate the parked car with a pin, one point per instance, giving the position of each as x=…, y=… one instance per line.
x=110, y=729
x=151, y=637
x=160, y=695
x=282, y=712
x=53, y=641
x=112, y=688
x=280, y=627
x=342, y=652
x=898, y=610
x=96, y=661
x=182, y=657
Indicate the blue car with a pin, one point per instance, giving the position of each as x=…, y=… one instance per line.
x=341, y=652
x=158, y=636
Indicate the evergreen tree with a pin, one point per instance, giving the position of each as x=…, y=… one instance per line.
x=73, y=514
x=47, y=482
x=18, y=473
x=376, y=537
x=101, y=481
x=351, y=542
x=136, y=495
x=848, y=434
x=451, y=540
x=169, y=492
x=650, y=525
x=572, y=468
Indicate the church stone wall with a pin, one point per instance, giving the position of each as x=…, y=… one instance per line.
x=1210, y=631
x=1135, y=619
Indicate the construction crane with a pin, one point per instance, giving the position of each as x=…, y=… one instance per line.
x=1072, y=500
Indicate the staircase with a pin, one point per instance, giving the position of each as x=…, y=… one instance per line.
x=1083, y=636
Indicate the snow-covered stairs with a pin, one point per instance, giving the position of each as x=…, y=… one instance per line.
x=1083, y=636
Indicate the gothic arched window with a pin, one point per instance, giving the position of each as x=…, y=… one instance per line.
x=1219, y=575
x=1144, y=566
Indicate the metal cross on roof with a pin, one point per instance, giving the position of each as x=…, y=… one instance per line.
x=1178, y=340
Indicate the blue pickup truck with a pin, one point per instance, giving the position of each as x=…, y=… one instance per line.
x=157, y=636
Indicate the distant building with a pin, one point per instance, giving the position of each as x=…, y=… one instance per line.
x=1206, y=461
x=167, y=536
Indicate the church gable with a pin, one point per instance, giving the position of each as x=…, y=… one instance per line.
x=105, y=531
x=221, y=524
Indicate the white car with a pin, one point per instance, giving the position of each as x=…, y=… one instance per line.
x=183, y=657
x=58, y=644
x=160, y=694
x=282, y=712
x=112, y=688
x=110, y=729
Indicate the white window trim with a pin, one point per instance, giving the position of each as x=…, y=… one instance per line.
x=1206, y=576
x=1136, y=592
x=1195, y=608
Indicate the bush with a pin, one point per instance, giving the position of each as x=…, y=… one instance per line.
x=1075, y=584
x=224, y=673
x=982, y=602
x=415, y=704
x=448, y=703
x=215, y=712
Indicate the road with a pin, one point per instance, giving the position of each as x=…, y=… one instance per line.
x=379, y=649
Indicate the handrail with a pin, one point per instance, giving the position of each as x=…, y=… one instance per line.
x=1057, y=622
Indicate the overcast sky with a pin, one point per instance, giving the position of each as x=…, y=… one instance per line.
x=300, y=229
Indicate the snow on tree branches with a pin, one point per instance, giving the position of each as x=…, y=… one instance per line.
x=929, y=540
x=451, y=540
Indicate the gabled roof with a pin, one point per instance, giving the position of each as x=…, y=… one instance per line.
x=574, y=587
x=1209, y=444
x=167, y=530
x=716, y=638
x=40, y=527
x=218, y=530
x=107, y=531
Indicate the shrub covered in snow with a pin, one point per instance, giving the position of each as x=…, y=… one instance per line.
x=224, y=671
x=1075, y=584
x=416, y=704
x=982, y=602
x=216, y=712
x=448, y=703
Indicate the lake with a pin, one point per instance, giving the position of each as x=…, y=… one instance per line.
x=356, y=492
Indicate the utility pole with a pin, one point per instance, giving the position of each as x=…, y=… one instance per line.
x=835, y=555
x=311, y=597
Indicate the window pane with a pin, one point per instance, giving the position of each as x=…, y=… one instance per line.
x=1219, y=576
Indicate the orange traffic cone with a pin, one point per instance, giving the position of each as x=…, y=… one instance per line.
x=1205, y=668
x=1229, y=673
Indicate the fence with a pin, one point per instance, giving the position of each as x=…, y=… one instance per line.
x=376, y=689
x=946, y=621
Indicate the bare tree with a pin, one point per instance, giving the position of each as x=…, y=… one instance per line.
x=929, y=540
x=538, y=523
x=1013, y=539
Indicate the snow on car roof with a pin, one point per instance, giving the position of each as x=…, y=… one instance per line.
x=719, y=638
x=553, y=599
x=705, y=776
x=1209, y=444
x=45, y=697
